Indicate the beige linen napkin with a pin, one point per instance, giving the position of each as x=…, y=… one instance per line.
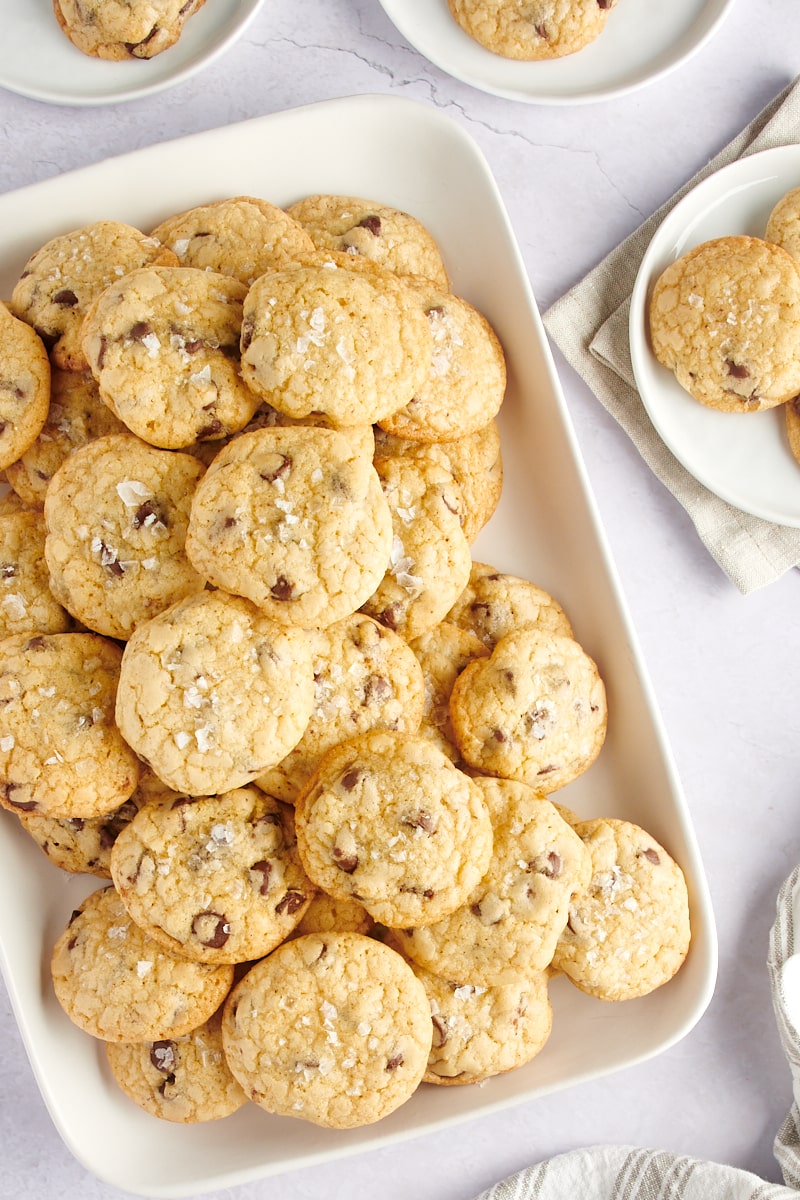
x=631, y=1173
x=590, y=326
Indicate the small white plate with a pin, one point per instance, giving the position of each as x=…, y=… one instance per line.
x=641, y=42
x=38, y=60
x=412, y=157
x=742, y=457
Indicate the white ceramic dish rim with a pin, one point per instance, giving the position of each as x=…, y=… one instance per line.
x=429, y=28
x=394, y=135
x=206, y=36
x=742, y=458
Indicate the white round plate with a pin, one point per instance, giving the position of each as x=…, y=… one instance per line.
x=743, y=457
x=38, y=60
x=642, y=41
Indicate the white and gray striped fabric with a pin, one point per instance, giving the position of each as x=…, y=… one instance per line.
x=630, y=1173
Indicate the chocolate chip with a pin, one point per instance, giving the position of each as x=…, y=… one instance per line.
x=420, y=820
x=7, y=570
x=36, y=643
x=282, y=469
x=21, y=805
x=264, y=869
x=344, y=861
x=140, y=330
x=65, y=298
x=290, y=903
x=542, y=32
x=164, y=1057
x=247, y=334
x=212, y=429
x=282, y=589
x=435, y=310
x=650, y=855
x=350, y=778
x=549, y=865
x=211, y=929
x=395, y=1061
x=372, y=223
x=499, y=736
x=737, y=370
x=376, y=690
x=101, y=353
x=439, y=1031
x=391, y=617
x=148, y=513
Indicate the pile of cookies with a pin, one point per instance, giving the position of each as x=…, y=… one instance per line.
x=124, y=29
x=252, y=678
x=725, y=319
x=534, y=30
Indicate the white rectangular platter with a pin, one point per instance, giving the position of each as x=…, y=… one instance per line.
x=545, y=529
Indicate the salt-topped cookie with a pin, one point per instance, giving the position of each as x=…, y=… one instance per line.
x=117, y=984
x=629, y=931
x=212, y=692
x=331, y=1028
x=725, y=319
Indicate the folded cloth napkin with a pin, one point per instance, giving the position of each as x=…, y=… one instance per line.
x=629, y=1173
x=590, y=326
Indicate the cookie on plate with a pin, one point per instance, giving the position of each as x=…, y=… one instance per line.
x=171, y=331
x=537, y=30
x=430, y=556
x=331, y=1028
x=76, y=415
x=365, y=677
x=792, y=415
x=629, y=931
x=81, y=845
x=294, y=519
x=474, y=460
x=117, y=511
x=60, y=752
x=243, y=236
x=214, y=878
x=362, y=228
x=483, y=1031
x=353, y=346
x=117, y=984
x=212, y=692
x=495, y=603
x=510, y=923
x=388, y=820
x=63, y=278
x=24, y=386
x=535, y=710
x=725, y=319
x=783, y=223
x=443, y=653
x=467, y=379
x=129, y=29
x=184, y=1079
x=27, y=604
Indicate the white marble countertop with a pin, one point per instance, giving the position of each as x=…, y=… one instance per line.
x=576, y=180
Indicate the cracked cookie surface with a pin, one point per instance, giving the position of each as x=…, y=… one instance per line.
x=117, y=984
x=725, y=319
x=353, y=346
x=64, y=277
x=365, y=677
x=27, y=605
x=24, y=386
x=629, y=929
x=293, y=518
x=60, y=752
x=537, y=29
x=117, y=511
x=171, y=331
x=535, y=710
x=212, y=692
x=388, y=820
x=217, y=879
x=121, y=29
x=330, y=1028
